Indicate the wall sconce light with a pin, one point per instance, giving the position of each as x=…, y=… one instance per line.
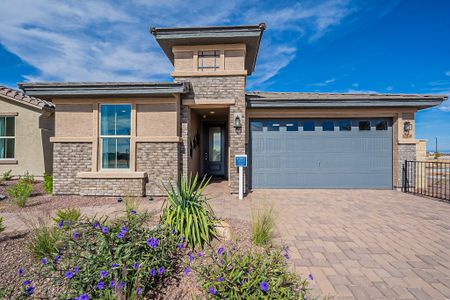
x=407, y=126
x=237, y=121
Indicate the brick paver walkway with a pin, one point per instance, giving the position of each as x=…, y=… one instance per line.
x=358, y=244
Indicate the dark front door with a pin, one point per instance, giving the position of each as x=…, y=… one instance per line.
x=214, y=154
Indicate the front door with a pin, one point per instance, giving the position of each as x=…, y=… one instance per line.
x=214, y=154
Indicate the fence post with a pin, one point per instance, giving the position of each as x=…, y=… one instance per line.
x=405, y=177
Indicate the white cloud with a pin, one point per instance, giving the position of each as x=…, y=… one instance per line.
x=353, y=91
x=323, y=83
x=109, y=41
x=447, y=73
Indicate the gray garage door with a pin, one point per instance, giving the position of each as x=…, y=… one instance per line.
x=321, y=153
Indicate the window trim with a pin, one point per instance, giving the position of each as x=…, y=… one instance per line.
x=216, y=55
x=101, y=137
x=10, y=137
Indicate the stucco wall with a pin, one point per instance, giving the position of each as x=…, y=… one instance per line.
x=32, y=147
x=158, y=119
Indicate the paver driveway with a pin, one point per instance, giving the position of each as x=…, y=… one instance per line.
x=359, y=243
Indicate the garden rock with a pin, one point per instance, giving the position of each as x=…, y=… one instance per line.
x=3, y=197
x=224, y=231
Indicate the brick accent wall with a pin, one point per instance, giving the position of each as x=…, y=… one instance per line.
x=112, y=187
x=160, y=162
x=215, y=87
x=68, y=160
x=404, y=152
x=186, y=129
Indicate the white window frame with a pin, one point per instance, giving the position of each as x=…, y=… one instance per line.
x=10, y=137
x=101, y=137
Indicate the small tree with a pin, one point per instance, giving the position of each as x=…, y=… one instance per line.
x=20, y=192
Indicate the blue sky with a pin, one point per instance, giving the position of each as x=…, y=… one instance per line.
x=324, y=46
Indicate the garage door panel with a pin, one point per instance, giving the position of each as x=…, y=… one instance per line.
x=321, y=159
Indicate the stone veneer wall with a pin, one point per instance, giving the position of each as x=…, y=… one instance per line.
x=133, y=187
x=160, y=162
x=220, y=88
x=404, y=152
x=68, y=160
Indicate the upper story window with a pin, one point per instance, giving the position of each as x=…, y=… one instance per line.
x=115, y=132
x=208, y=60
x=7, y=137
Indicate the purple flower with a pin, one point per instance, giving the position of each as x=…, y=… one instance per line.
x=133, y=212
x=57, y=258
x=180, y=246
x=69, y=223
x=60, y=224
x=69, y=275
x=103, y=274
x=96, y=225
x=83, y=297
x=221, y=279
x=200, y=254
x=121, y=285
x=139, y=291
x=187, y=270
x=20, y=272
x=310, y=277
x=27, y=282
x=264, y=286
x=120, y=235
x=212, y=291
x=135, y=266
x=191, y=258
x=152, y=272
x=161, y=270
x=286, y=256
x=183, y=238
x=76, y=269
x=124, y=229
x=114, y=265
x=105, y=230
x=29, y=290
x=230, y=267
x=76, y=235
x=112, y=284
x=44, y=261
x=153, y=242
x=100, y=285
x=220, y=251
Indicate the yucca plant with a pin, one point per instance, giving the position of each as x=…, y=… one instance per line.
x=187, y=211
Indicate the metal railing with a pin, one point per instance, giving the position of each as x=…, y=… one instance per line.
x=427, y=178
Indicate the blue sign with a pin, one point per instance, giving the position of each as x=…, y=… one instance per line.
x=240, y=160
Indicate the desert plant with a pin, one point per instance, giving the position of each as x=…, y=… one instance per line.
x=27, y=177
x=48, y=183
x=131, y=204
x=46, y=241
x=187, y=211
x=66, y=217
x=262, y=227
x=20, y=192
x=7, y=175
x=2, y=227
x=229, y=274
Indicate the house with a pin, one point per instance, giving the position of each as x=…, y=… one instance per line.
x=114, y=138
x=26, y=125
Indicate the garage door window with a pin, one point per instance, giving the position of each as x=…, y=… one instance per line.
x=257, y=126
x=328, y=126
x=381, y=125
x=308, y=126
x=345, y=125
x=273, y=126
x=364, y=125
x=291, y=126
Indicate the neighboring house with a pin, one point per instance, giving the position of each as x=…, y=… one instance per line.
x=26, y=125
x=128, y=138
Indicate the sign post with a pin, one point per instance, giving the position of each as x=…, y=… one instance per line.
x=241, y=163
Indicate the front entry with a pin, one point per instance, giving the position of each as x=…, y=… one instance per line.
x=214, y=150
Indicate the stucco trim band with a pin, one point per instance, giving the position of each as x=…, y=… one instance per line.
x=71, y=139
x=111, y=175
x=205, y=101
x=9, y=114
x=8, y=161
x=208, y=74
x=158, y=139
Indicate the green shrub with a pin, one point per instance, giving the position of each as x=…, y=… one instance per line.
x=7, y=175
x=2, y=227
x=262, y=227
x=250, y=275
x=188, y=212
x=27, y=177
x=66, y=217
x=48, y=183
x=46, y=241
x=20, y=192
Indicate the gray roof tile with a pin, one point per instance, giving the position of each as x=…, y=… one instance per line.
x=21, y=97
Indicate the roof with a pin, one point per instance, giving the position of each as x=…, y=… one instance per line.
x=20, y=97
x=73, y=89
x=302, y=100
x=250, y=35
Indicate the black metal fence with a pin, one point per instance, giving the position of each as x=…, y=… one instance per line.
x=428, y=178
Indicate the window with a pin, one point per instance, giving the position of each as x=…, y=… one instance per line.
x=364, y=125
x=292, y=126
x=308, y=126
x=273, y=126
x=7, y=137
x=345, y=125
x=381, y=125
x=327, y=126
x=257, y=126
x=115, y=131
x=208, y=60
